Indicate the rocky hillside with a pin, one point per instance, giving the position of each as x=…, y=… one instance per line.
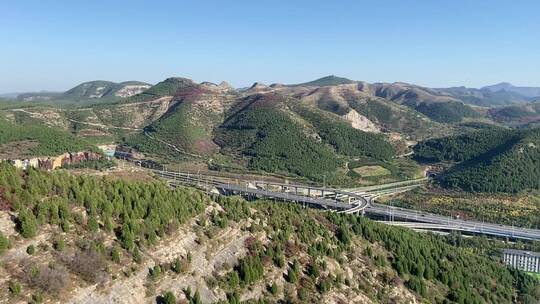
x=72, y=238
x=90, y=90
x=99, y=89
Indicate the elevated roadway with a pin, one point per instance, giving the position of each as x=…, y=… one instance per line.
x=360, y=201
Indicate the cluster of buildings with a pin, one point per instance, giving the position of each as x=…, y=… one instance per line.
x=524, y=260
x=51, y=163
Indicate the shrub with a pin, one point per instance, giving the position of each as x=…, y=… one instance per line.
x=89, y=265
x=14, y=288
x=168, y=298
x=4, y=243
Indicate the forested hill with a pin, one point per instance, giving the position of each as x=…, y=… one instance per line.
x=464, y=147
x=279, y=136
x=494, y=160
x=114, y=233
x=31, y=139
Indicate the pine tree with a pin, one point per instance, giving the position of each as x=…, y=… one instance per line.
x=27, y=224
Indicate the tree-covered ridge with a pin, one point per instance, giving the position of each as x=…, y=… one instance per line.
x=446, y=112
x=466, y=146
x=329, y=80
x=138, y=212
x=50, y=141
x=492, y=159
x=168, y=87
x=274, y=141
x=344, y=138
x=513, y=169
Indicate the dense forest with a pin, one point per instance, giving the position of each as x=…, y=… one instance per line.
x=493, y=160
x=515, y=169
x=301, y=242
x=345, y=139
x=446, y=112
x=465, y=146
x=50, y=142
x=276, y=143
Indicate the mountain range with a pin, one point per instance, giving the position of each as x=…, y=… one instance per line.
x=508, y=87
x=313, y=129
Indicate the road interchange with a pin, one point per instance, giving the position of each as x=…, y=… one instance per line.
x=350, y=201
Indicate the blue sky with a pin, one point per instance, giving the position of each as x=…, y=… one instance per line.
x=54, y=45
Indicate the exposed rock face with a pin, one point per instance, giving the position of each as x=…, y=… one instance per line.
x=130, y=90
x=360, y=122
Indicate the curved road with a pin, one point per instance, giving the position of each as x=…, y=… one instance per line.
x=354, y=202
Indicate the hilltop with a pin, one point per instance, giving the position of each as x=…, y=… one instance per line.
x=330, y=80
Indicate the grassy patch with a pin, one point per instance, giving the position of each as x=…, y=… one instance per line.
x=365, y=171
x=534, y=274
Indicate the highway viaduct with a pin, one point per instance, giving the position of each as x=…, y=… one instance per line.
x=351, y=201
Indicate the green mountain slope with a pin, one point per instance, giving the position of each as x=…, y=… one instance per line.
x=464, y=147
x=345, y=139
x=188, y=124
x=264, y=130
x=280, y=134
x=31, y=139
x=169, y=87
x=513, y=169
x=494, y=160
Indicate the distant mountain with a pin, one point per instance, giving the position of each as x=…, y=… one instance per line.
x=484, y=97
x=100, y=88
x=521, y=114
x=90, y=90
x=43, y=95
x=11, y=95
x=505, y=86
x=330, y=80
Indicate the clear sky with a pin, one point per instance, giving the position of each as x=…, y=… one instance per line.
x=54, y=45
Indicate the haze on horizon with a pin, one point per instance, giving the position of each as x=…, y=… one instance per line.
x=55, y=46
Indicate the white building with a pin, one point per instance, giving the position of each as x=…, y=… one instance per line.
x=524, y=260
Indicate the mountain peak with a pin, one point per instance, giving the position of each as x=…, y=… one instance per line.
x=327, y=81
x=499, y=86
x=258, y=85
